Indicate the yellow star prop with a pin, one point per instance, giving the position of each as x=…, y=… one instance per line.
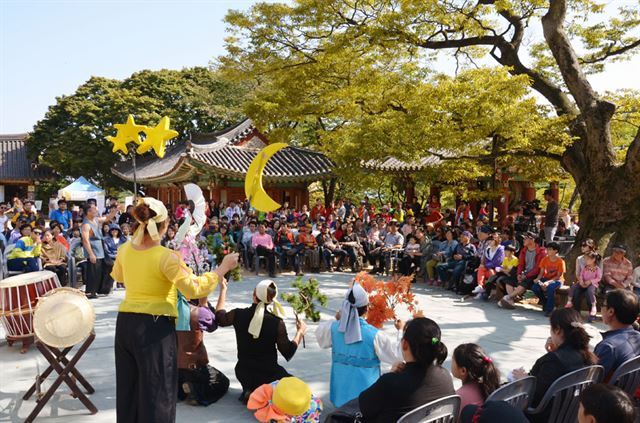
x=127, y=132
x=157, y=138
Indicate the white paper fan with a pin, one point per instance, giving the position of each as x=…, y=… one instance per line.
x=194, y=193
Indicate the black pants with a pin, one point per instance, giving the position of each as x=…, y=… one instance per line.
x=271, y=258
x=146, y=368
x=407, y=262
x=254, y=373
x=98, y=277
x=60, y=270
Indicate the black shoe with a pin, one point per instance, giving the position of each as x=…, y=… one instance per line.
x=272, y=275
x=92, y=296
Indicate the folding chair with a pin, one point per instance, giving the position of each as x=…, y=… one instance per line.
x=444, y=410
x=517, y=393
x=627, y=376
x=562, y=397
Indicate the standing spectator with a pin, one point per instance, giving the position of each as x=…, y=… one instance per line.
x=214, y=210
x=550, y=216
x=416, y=207
x=317, y=210
x=94, y=249
x=550, y=278
x=24, y=256
x=4, y=219
x=183, y=206
x=463, y=213
x=56, y=231
x=262, y=243
x=24, y=213
x=231, y=210
x=54, y=257
x=617, y=269
x=126, y=217
x=602, y=403
x=621, y=342
x=341, y=210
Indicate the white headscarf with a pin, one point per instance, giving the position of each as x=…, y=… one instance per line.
x=255, y=326
x=349, y=319
x=151, y=224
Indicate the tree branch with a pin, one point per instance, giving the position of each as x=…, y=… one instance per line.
x=632, y=160
x=609, y=52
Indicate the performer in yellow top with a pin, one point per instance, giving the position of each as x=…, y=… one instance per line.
x=145, y=342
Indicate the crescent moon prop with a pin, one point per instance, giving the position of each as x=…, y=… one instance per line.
x=194, y=193
x=253, y=189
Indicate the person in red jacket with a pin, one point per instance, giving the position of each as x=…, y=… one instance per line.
x=528, y=269
x=317, y=210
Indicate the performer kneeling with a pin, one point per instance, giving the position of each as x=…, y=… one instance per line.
x=258, y=333
x=145, y=344
x=198, y=382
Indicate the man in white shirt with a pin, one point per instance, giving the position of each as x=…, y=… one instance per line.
x=231, y=210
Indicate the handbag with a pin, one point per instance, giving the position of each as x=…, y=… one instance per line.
x=347, y=413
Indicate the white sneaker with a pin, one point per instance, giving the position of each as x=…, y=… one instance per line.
x=478, y=290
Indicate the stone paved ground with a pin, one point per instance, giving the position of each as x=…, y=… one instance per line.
x=513, y=339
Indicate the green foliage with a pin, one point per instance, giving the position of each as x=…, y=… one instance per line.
x=70, y=138
x=304, y=301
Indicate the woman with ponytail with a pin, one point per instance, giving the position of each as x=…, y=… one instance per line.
x=415, y=382
x=568, y=350
x=145, y=341
x=478, y=374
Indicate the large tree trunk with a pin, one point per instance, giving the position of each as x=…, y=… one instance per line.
x=329, y=191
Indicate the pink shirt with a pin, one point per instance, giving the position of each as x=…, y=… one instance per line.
x=470, y=394
x=264, y=240
x=592, y=276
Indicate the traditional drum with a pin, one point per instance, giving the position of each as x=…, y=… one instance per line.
x=63, y=318
x=18, y=298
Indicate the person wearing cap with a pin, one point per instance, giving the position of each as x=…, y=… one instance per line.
x=464, y=252
x=260, y=334
x=24, y=256
x=617, y=269
x=145, y=340
x=286, y=400
x=528, y=269
x=621, y=342
x=358, y=349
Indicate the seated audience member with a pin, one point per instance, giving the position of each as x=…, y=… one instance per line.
x=351, y=244
x=393, y=240
x=168, y=240
x=262, y=243
x=602, y=403
x=310, y=251
x=287, y=249
x=568, y=350
x=617, y=269
x=464, y=252
x=478, y=374
x=247, y=236
x=223, y=237
x=260, y=334
x=411, y=256
x=56, y=231
x=416, y=381
x=54, y=257
x=550, y=278
x=586, y=284
x=330, y=246
x=528, y=270
x=492, y=412
x=621, y=342
x=505, y=273
x=24, y=256
x=490, y=259
x=62, y=215
x=358, y=349
x=442, y=244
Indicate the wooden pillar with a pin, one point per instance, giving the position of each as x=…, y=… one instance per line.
x=529, y=192
x=555, y=190
x=409, y=190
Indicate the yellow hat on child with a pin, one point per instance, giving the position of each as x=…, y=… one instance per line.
x=292, y=396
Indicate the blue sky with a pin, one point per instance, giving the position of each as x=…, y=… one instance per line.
x=50, y=47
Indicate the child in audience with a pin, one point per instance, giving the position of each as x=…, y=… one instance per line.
x=587, y=283
x=478, y=374
x=550, y=278
x=602, y=403
x=507, y=271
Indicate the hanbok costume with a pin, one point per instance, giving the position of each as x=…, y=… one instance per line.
x=358, y=349
x=260, y=334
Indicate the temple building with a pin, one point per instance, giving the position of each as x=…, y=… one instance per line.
x=19, y=176
x=218, y=162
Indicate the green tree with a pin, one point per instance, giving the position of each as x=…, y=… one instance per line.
x=71, y=137
x=362, y=75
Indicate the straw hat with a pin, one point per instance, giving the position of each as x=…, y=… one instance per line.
x=63, y=317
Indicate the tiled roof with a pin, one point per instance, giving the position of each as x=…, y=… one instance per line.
x=14, y=162
x=228, y=154
x=391, y=164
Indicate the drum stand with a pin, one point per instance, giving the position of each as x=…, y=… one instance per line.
x=57, y=358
